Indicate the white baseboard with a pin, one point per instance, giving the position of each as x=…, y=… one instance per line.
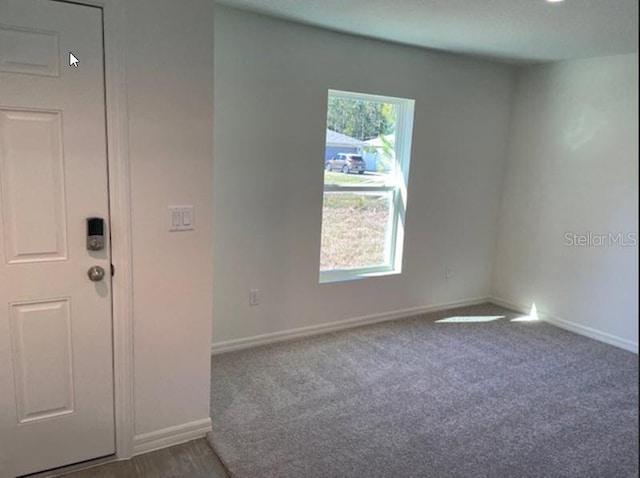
x=572, y=326
x=509, y=305
x=244, y=343
x=171, y=436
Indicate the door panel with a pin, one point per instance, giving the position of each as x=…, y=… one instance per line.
x=24, y=50
x=37, y=229
x=42, y=357
x=56, y=372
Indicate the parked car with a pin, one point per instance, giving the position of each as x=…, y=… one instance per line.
x=346, y=163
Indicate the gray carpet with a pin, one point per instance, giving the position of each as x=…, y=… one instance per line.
x=418, y=398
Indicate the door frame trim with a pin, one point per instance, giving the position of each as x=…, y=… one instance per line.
x=117, y=134
x=120, y=215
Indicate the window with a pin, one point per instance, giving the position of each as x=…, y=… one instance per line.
x=366, y=162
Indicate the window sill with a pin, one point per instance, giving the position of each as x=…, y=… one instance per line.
x=349, y=275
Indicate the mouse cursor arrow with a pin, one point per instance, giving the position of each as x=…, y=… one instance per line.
x=73, y=61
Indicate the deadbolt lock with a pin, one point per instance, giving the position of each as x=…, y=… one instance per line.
x=95, y=233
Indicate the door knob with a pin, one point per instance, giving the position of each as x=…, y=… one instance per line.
x=95, y=273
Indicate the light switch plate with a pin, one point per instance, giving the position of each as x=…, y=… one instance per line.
x=180, y=218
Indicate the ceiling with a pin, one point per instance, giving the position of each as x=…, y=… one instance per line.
x=516, y=31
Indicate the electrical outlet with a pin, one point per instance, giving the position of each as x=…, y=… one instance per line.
x=254, y=297
x=448, y=272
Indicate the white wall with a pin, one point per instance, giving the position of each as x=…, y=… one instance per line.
x=169, y=61
x=573, y=168
x=271, y=82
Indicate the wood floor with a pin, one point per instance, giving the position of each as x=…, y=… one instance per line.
x=194, y=459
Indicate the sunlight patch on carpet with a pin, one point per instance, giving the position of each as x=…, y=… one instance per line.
x=532, y=317
x=469, y=319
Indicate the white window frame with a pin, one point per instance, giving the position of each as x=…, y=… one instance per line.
x=398, y=188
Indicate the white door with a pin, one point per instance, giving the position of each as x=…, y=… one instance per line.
x=56, y=372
